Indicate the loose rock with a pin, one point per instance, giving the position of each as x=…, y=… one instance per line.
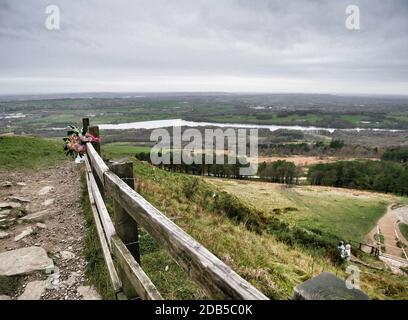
x=41, y=225
x=38, y=216
x=45, y=190
x=19, y=199
x=48, y=202
x=24, y=261
x=10, y=205
x=4, y=235
x=88, y=293
x=33, y=291
x=67, y=255
x=23, y=234
x=5, y=212
x=6, y=184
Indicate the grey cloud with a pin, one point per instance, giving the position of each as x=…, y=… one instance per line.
x=263, y=41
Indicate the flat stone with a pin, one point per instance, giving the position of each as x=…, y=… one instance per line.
x=21, y=184
x=37, y=216
x=327, y=286
x=24, y=234
x=48, y=202
x=41, y=225
x=67, y=255
x=20, y=199
x=6, y=184
x=24, y=261
x=10, y=205
x=88, y=293
x=5, y=212
x=33, y=290
x=4, y=235
x=45, y=190
x=4, y=298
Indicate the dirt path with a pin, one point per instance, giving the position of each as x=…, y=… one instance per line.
x=388, y=226
x=402, y=215
x=42, y=209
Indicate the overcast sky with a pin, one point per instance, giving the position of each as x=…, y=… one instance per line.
x=204, y=45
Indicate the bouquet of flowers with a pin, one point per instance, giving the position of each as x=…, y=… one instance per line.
x=75, y=143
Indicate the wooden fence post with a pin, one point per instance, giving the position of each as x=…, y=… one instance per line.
x=97, y=146
x=126, y=227
x=85, y=124
x=95, y=132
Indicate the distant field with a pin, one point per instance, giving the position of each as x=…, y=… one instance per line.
x=299, y=160
x=348, y=214
x=39, y=116
x=270, y=118
x=24, y=152
x=121, y=149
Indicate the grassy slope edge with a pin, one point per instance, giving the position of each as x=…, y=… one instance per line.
x=26, y=152
x=267, y=260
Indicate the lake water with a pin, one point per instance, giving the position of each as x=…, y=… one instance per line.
x=183, y=123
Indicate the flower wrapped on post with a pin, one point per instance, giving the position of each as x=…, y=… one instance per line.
x=75, y=143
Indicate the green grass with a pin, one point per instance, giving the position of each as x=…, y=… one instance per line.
x=238, y=234
x=355, y=119
x=347, y=214
x=24, y=152
x=122, y=149
x=95, y=270
x=225, y=227
x=170, y=280
x=404, y=230
x=309, y=119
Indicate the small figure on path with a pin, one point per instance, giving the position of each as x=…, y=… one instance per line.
x=348, y=252
x=342, y=250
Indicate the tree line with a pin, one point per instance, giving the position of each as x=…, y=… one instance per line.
x=382, y=176
x=225, y=170
x=397, y=154
x=279, y=171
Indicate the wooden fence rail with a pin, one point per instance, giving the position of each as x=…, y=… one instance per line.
x=217, y=279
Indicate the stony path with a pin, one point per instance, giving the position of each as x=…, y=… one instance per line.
x=388, y=226
x=41, y=211
x=402, y=216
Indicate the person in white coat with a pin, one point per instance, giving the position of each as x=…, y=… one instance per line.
x=348, y=252
x=342, y=250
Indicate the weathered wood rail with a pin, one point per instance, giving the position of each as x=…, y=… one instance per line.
x=374, y=250
x=122, y=259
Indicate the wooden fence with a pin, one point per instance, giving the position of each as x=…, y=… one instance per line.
x=120, y=243
x=373, y=250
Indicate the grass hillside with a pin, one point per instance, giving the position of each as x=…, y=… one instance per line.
x=112, y=150
x=272, y=266
x=271, y=255
x=25, y=152
x=347, y=214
